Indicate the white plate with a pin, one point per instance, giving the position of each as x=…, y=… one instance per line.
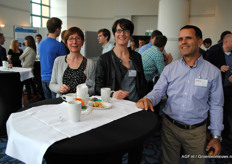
x=105, y=104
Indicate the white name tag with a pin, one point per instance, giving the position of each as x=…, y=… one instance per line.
x=201, y=82
x=132, y=73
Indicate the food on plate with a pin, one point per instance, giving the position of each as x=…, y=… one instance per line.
x=98, y=105
x=94, y=99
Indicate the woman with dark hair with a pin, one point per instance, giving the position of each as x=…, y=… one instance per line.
x=121, y=69
x=28, y=59
x=14, y=53
x=73, y=69
x=29, y=54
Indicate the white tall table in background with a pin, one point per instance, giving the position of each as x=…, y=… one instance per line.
x=25, y=73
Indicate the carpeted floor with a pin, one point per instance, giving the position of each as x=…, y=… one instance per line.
x=151, y=153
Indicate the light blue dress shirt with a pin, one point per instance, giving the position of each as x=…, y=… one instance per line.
x=107, y=47
x=37, y=48
x=188, y=103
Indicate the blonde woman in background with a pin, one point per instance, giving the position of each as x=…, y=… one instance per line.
x=14, y=53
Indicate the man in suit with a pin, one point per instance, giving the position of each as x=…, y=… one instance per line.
x=2, y=49
x=219, y=44
x=221, y=57
x=203, y=53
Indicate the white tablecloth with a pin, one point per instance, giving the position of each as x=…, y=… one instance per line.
x=31, y=132
x=25, y=73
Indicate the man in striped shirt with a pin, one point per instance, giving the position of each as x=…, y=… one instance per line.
x=153, y=59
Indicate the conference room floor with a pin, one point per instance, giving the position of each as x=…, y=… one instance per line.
x=151, y=154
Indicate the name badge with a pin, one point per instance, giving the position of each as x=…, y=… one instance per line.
x=132, y=73
x=201, y=82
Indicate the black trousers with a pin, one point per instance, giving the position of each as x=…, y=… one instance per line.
x=227, y=110
x=29, y=83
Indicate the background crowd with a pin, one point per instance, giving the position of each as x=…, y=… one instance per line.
x=198, y=87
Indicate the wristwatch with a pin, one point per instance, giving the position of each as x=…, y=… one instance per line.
x=217, y=137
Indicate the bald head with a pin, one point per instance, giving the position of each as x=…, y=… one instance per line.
x=227, y=43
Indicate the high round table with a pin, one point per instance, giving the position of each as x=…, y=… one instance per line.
x=104, y=144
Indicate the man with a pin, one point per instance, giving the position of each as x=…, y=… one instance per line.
x=221, y=57
x=141, y=43
x=2, y=49
x=49, y=49
x=38, y=39
x=219, y=44
x=223, y=34
x=153, y=60
x=154, y=34
x=132, y=45
x=103, y=38
x=207, y=43
x=36, y=71
x=193, y=87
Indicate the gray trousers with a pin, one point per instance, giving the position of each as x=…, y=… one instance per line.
x=193, y=141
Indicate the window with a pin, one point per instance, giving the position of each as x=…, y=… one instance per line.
x=40, y=12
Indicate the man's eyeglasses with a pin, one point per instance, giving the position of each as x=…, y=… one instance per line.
x=125, y=31
x=72, y=39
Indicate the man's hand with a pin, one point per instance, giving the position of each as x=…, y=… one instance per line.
x=145, y=103
x=120, y=94
x=225, y=68
x=230, y=78
x=214, y=143
x=168, y=57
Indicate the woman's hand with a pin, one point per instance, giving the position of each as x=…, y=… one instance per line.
x=9, y=58
x=64, y=88
x=120, y=94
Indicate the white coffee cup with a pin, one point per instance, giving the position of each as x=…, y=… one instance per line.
x=74, y=110
x=69, y=97
x=105, y=94
x=5, y=64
